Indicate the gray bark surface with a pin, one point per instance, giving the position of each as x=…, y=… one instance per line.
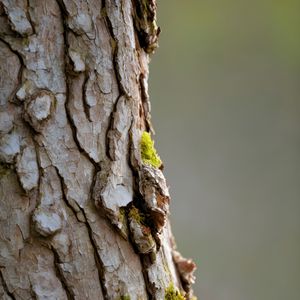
x=73, y=188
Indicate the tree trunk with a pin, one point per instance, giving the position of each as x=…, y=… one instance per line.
x=84, y=211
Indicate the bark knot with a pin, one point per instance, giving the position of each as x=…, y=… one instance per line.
x=38, y=109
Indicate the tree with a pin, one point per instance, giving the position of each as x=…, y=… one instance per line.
x=84, y=202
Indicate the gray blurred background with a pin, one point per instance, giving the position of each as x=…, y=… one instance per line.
x=225, y=94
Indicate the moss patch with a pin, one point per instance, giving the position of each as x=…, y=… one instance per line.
x=122, y=215
x=148, y=152
x=136, y=215
x=172, y=293
x=4, y=169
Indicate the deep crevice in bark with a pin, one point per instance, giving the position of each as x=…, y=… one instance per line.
x=144, y=17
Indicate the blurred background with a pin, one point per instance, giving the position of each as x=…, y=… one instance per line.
x=225, y=92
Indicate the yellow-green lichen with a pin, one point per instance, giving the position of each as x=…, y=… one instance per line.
x=125, y=297
x=136, y=215
x=148, y=152
x=171, y=293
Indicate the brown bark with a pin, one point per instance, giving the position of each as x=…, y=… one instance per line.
x=82, y=217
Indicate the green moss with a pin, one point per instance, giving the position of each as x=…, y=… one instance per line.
x=25, y=41
x=122, y=223
x=148, y=152
x=125, y=297
x=122, y=215
x=4, y=169
x=172, y=293
x=136, y=215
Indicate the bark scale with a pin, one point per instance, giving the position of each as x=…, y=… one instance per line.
x=82, y=217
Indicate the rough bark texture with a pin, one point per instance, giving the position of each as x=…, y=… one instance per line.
x=82, y=217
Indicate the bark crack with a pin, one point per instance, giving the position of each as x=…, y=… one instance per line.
x=28, y=16
x=86, y=107
x=65, y=199
x=145, y=105
x=32, y=293
x=97, y=258
x=74, y=129
x=99, y=263
x=110, y=127
x=5, y=287
x=115, y=48
x=70, y=294
x=22, y=65
x=68, y=114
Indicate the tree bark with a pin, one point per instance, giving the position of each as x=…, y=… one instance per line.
x=82, y=215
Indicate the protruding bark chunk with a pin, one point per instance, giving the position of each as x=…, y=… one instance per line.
x=46, y=221
x=156, y=194
x=9, y=67
x=6, y=122
x=27, y=168
x=9, y=146
x=141, y=234
x=79, y=65
x=16, y=11
x=145, y=23
x=186, y=268
x=38, y=109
